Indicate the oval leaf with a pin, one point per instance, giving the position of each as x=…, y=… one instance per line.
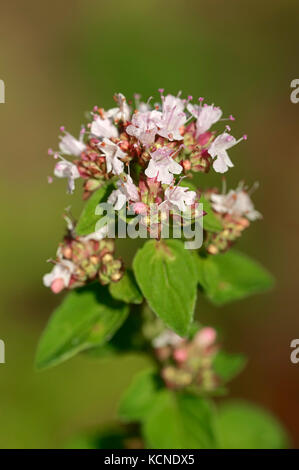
x=167, y=277
x=86, y=318
x=232, y=276
x=88, y=219
x=246, y=426
x=138, y=398
x=180, y=421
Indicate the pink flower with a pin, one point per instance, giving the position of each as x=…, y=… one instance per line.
x=172, y=119
x=139, y=208
x=236, y=203
x=144, y=126
x=122, y=111
x=113, y=154
x=103, y=128
x=180, y=355
x=205, y=337
x=69, y=145
x=162, y=166
x=127, y=191
x=179, y=197
x=60, y=276
x=205, y=116
x=65, y=169
x=219, y=149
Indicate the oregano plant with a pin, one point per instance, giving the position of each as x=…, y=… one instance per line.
x=143, y=167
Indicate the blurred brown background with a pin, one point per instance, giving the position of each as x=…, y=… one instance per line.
x=61, y=58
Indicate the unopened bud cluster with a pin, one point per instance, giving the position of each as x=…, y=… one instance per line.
x=187, y=363
x=81, y=260
x=235, y=211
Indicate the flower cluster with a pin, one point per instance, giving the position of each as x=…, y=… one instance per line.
x=187, y=363
x=83, y=259
x=144, y=154
x=165, y=140
x=235, y=210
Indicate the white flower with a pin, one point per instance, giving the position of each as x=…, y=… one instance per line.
x=171, y=101
x=65, y=169
x=172, y=119
x=98, y=235
x=122, y=112
x=167, y=338
x=162, y=166
x=60, y=276
x=127, y=191
x=236, y=203
x=205, y=116
x=103, y=128
x=117, y=198
x=219, y=149
x=144, y=126
x=179, y=197
x=69, y=145
x=112, y=153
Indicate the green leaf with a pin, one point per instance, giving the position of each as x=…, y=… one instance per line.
x=166, y=274
x=88, y=219
x=232, y=276
x=126, y=289
x=138, y=398
x=227, y=366
x=127, y=339
x=210, y=222
x=246, y=426
x=86, y=318
x=180, y=421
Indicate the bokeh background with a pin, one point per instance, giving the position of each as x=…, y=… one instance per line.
x=61, y=58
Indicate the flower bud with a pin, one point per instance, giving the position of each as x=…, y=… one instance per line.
x=205, y=337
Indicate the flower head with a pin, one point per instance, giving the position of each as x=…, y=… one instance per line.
x=237, y=203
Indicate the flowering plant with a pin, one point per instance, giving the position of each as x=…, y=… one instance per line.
x=141, y=165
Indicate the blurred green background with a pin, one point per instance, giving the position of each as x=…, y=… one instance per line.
x=61, y=58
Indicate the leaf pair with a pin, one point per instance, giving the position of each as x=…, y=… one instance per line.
x=88, y=317
x=169, y=420
x=172, y=420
